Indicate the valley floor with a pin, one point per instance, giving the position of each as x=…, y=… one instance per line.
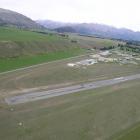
x=105, y=113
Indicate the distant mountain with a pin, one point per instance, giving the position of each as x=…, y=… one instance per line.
x=14, y=19
x=65, y=29
x=101, y=31
x=53, y=24
x=92, y=29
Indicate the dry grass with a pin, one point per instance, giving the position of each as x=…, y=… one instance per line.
x=58, y=74
x=94, y=114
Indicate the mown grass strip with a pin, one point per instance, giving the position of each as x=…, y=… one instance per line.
x=24, y=61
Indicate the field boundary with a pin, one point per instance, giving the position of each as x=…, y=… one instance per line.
x=34, y=66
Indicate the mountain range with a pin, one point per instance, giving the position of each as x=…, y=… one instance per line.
x=13, y=19
x=100, y=30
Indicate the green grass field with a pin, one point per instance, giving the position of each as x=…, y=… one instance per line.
x=91, y=42
x=17, y=43
x=20, y=48
x=25, y=48
x=13, y=34
x=132, y=133
x=25, y=61
x=95, y=114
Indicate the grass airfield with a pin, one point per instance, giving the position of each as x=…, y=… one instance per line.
x=95, y=114
x=108, y=113
x=57, y=74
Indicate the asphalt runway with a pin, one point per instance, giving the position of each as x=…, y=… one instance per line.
x=67, y=90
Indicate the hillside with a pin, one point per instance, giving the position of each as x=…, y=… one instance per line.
x=93, y=29
x=14, y=19
x=15, y=43
x=20, y=48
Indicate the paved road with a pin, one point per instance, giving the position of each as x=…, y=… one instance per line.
x=67, y=90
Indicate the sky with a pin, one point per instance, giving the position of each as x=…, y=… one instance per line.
x=118, y=13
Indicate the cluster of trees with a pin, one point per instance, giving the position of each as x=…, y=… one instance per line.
x=128, y=47
x=107, y=48
x=74, y=41
x=136, y=43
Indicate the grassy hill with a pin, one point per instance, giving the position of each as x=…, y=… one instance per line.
x=14, y=19
x=20, y=48
x=15, y=43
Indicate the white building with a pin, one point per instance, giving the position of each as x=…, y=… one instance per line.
x=71, y=64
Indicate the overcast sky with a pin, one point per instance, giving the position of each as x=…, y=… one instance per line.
x=119, y=13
